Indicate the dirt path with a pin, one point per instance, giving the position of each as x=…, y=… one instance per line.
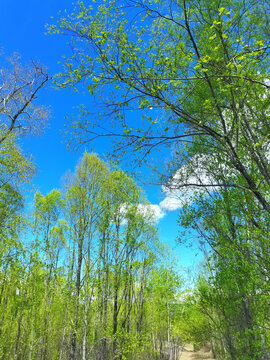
x=189, y=354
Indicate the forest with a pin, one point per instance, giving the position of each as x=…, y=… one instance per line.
x=83, y=272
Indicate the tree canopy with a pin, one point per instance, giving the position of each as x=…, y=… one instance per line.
x=197, y=71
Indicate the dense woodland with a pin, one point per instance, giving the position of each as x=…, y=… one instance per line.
x=83, y=274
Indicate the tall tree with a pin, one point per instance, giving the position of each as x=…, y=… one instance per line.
x=202, y=65
x=47, y=211
x=19, y=114
x=235, y=230
x=82, y=208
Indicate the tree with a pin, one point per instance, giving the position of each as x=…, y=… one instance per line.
x=19, y=115
x=83, y=207
x=236, y=232
x=163, y=287
x=196, y=70
x=88, y=284
x=19, y=86
x=47, y=210
x=18, y=92
x=193, y=324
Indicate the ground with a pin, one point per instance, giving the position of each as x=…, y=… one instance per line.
x=189, y=354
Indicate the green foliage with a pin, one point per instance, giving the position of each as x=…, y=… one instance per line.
x=194, y=324
x=236, y=231
x=198, y=73
x=204, y=68
x=88, y=282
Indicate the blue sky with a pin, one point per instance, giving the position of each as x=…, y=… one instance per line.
x=22, y=30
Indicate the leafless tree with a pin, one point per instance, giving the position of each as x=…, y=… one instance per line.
x=19, y=86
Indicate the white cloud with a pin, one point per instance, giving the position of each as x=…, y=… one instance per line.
x=170, y=204
x=156, y=211
x=181, y=188
x=174, y=200
x=152, y=212
x=190, y=176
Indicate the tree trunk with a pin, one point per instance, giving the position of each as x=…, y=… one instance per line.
x=73, y=340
